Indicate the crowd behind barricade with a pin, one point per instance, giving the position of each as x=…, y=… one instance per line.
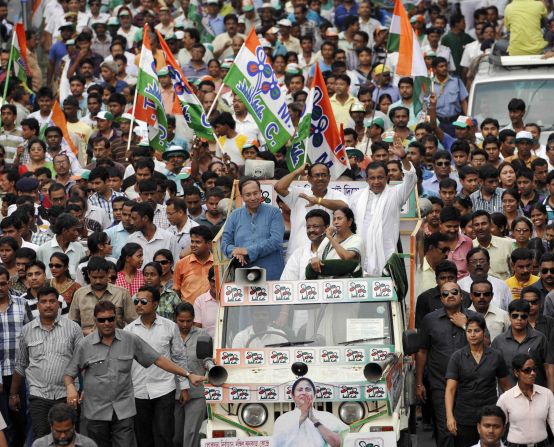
x=107, y=276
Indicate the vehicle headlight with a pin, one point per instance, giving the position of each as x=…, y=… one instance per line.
x=254, y=415
x=350, y=412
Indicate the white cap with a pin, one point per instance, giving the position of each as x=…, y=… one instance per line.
x=284, y=22
x=524, y=135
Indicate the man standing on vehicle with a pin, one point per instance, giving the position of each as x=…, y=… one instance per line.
x=377, y=209
x=300, y=200
x=442, y=333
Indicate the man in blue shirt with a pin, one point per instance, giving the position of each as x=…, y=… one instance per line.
x=58, y=50
x=451, y=95
x=214, y=19
x=348, y=8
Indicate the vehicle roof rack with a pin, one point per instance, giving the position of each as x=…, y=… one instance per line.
x=520, y=61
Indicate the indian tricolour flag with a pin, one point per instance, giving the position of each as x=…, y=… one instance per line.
x=296, y=154
x=19, y=55
x=253, y=80
x=189, y=104
x=149, y=107
x=402, y=39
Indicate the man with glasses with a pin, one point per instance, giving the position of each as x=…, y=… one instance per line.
x=442, y=332
x=430, y=300
x=442, y=168
x=537, y=320
x=545, y=284
x=478, y=265
x=154, y=388
x=84, y=299
x=522, y=261
x=521, y=338
x=105, y=358
x=436, y=248
x=499, y=248
x=300, y=200
x=497, y=319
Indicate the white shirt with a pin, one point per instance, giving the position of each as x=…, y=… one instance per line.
x=295, y=268
x=471, y=51
x=25, y=244
x=297, y=205
x=241, y=339
x=164, y=337
x=99, y=215
x=75, y=252
x=289, y=433
x=183, y=235
x=161, y=239
x=249, y=128
x=500, y=445
x=498, y=320
x=501, y=294
x=528, y=418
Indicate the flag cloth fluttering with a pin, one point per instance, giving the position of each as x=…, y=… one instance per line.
x=58, y=119
x=190, y=106
x=296, y=153
x=253, y=80
x=402, y=39
x=19, y=55
x=149, y=106
x=325, y=145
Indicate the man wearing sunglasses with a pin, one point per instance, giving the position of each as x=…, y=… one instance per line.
x=436, y=248
x=154, y=388
x=546, y=283
x=478, y=265
x=105, y=358
x=520, y=338
x=442, y=332
x=497, y=319
x=537, y=320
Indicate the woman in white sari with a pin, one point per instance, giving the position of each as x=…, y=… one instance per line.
x=304, y=426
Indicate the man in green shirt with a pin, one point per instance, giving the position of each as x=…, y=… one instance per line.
x=456, y=39
x=522, y=18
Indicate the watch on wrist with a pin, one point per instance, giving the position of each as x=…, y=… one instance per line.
x=317, y=424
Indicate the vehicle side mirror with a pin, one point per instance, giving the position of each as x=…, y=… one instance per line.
x=411, y=341
x=204, y=347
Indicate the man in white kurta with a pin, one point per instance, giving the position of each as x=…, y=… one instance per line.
x=300, y=200
x=377, y=210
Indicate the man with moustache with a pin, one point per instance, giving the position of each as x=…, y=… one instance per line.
x=460, y=244
x=317, y=221
x=442, y=332
x=481, y=296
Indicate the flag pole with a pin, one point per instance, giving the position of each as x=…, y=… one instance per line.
x=136, y=96
x=375, y=106
x=215, y=101
x=10, y=63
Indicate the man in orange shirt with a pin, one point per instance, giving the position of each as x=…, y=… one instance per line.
x=190, y=278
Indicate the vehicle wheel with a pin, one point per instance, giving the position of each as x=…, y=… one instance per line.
x=405, y=439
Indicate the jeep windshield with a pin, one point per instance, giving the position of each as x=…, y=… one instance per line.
x=490, y=99
x=307, y=324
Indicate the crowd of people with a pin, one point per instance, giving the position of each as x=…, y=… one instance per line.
x=107, y=277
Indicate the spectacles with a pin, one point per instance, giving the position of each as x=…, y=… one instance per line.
x=545, y=270
x=164, y=262
x=446, y=293
x=55, y=266
x=531, y=369
x=485, y=294
x=105, y=319
x=533, y=302
x=142, y=301
x=519, y=316
x=522, y=230
x=442, y=164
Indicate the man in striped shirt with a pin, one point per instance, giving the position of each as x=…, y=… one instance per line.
x=10, y=135
x=14, y=314
x=103, y=196
x=45, y=349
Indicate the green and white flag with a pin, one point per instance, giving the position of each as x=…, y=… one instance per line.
x=149, y=107
x=253, y=80
x=296, y=154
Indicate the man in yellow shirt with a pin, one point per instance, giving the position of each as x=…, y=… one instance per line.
x=523, y=18
x=342, y=100
x=522, y=260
